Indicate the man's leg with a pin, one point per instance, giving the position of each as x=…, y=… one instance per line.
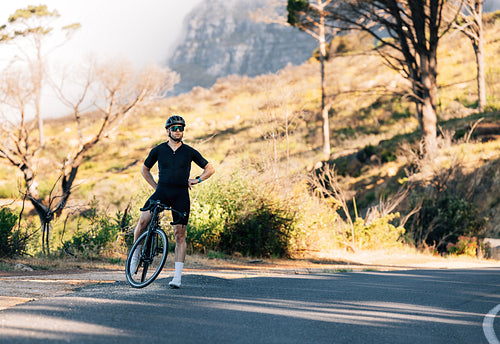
x=143, y=223
x=180, y=254
x=141, y=227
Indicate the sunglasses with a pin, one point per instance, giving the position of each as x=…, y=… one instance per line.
x=177, y=128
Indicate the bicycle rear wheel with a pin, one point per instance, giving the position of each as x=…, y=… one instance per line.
x=152, y=258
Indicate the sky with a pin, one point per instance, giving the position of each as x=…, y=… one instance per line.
x=143, y=31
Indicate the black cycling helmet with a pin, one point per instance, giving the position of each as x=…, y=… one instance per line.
x=175, y=120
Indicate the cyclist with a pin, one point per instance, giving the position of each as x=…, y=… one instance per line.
x=174, y=160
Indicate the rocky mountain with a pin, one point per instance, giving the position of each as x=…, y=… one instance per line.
x=221, y=39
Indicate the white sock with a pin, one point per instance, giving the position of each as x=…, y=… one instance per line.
x=178, y=270
x=137, y=251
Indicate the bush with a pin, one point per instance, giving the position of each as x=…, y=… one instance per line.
x=380, y=233
x=206, y=224
x=442, y=219
x=237, y=214
x=98, y=238
x=466, y=246
x=264, y=231
x=12, y=242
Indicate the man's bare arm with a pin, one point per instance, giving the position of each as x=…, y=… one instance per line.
x=207, y=173
x=146, y=173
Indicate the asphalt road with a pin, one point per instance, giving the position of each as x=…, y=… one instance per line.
x=421, y=306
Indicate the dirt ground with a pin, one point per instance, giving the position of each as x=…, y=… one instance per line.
x=23, y=286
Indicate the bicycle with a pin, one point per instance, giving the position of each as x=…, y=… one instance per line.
x=154, y=249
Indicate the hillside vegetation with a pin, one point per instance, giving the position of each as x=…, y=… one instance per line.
x=271, y=188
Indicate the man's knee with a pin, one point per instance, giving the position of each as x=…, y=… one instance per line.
x=144, y=220
x=180, y=233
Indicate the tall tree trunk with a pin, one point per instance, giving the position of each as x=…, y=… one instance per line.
x=481, y=78
x=479, y=52
x=427, y=86
x=38, y=79
x=428, y=123
x=324, y=109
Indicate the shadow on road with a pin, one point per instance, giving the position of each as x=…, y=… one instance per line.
x=433, y=306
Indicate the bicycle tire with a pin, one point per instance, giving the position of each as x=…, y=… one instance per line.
x=151, y=260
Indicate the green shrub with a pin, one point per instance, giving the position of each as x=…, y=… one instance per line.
x=442, y=219
x=206, y=224
x=98, y=238
x=12, y=242
x=237, y=214
x=378, y=234
x=264, y=231
x=466, y=246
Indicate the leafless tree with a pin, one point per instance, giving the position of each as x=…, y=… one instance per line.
x=27, y=29
x=112, y=90
x=326, y=185
x=470, y=23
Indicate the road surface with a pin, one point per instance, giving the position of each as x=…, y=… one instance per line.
x=416, y=306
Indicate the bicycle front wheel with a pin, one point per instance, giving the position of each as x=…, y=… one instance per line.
x=152, y=258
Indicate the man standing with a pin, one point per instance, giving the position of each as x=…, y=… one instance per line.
x=174, y=160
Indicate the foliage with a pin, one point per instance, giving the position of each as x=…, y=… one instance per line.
x=378, y=234
x=206, y=224
x=264, y=231
x=234, y=215
x=443, y=218
x=226, y=127
x=13, y=242
x=293, y=7
x=376, y=230
x=102, y=233
x=446, y=209
x=465, y=246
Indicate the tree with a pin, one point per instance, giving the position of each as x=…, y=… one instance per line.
x=311, y=18
x=470, y=23
x=408, y=32
x=31, y=25
x=112, y=89
x=108, y=91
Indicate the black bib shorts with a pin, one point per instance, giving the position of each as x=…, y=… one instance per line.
x=176, y=197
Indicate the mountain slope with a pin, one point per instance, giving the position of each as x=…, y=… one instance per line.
x=221, y=39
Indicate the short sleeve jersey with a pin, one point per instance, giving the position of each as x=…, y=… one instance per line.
x=174, y=166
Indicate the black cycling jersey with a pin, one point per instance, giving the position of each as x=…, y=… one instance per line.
x=173, y=181
x=174, y=166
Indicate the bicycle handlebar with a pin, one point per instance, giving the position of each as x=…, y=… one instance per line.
x=161, y=207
